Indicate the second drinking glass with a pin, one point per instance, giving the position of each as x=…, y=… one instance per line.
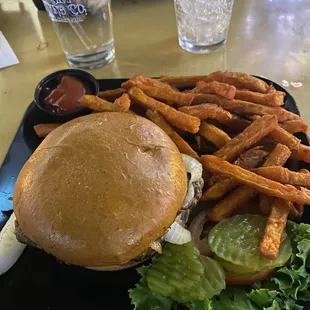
x=202, y=24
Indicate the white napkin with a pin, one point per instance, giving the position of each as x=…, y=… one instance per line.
x=7, y=56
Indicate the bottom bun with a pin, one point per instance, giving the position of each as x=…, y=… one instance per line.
x=117, y=267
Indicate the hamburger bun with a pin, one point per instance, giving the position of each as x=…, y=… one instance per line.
x=99, y=189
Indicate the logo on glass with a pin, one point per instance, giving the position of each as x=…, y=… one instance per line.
x=65, y=11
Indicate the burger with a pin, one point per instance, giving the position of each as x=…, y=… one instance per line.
x=104, y=191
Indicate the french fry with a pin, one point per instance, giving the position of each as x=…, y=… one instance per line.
x=184, y=82
x=251, y=179
x=248, y=160
x=207, y=110
x=229, y=204
x=182, y=145
x=243, y=108
x=224, y=208
x=99, y=105
x=112, y=94
x=168, y=96
x=274, y=99
x=123, y=102
x=284, y=175
x=298, y=208
x=253, y=133
x=298, y=125
x=218, y=190
x=304, y=171
x=270, y=243
x=302, y=154
x=178, y=119
x=280, y=135
x=138, y=80
x=271, y=89
x=200, y=98
x=42, y=130
x=215, y=135
x=224, y=90
x=278, y=157
x=239, y=80
x=265, y=203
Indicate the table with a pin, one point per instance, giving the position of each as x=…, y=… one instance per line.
x=267, y=37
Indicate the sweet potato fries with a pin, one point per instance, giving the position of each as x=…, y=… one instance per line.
x=266, y=186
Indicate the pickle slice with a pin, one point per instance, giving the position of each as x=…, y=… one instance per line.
x=236, y=240
x=232, y=268
x=214, y=276
x=182, y=274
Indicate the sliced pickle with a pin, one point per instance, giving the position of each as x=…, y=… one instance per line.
x=182, y=274
x=232, y=268
x=214, y=276
x=236, y=240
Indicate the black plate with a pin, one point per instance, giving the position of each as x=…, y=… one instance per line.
x=37, y=280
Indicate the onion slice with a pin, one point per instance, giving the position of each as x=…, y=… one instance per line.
x=196, y=228
x=192, y=166
x=189, y=198
x=10, y=248
x=177, y=234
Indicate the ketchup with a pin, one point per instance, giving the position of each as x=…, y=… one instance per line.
x=64, y=98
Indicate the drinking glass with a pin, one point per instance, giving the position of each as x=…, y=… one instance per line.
x=84, y=28
x=202, y=24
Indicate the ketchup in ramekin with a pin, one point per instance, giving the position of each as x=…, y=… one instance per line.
x=58, y=94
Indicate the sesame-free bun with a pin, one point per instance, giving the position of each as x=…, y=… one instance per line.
x=99, y=189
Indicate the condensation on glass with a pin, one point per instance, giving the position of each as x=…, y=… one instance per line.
x=202, y=24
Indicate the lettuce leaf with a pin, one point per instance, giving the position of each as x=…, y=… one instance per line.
x=293, y=280
x=289, y=284
x=233, y=298
x=272, y=300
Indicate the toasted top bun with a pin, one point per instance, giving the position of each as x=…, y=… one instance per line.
x=99, y=189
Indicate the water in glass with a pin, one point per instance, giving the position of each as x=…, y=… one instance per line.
x=202, y=24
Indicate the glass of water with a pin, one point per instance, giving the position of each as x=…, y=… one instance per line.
x=202, y=24
x=84, y=28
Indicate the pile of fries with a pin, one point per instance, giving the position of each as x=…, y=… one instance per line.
x=233, y=123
